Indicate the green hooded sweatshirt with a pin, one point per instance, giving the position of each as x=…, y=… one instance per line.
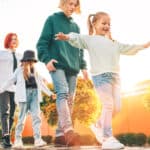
x=69, y=58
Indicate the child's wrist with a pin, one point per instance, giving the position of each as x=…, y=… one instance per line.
x=147, y=45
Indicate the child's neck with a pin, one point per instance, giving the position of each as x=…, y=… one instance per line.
x=100, y=34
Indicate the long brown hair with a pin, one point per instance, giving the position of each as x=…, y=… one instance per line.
x=27, y=65
x=92, y=18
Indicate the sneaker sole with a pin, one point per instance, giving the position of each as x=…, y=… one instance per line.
x=40, y=145
x=113, y=148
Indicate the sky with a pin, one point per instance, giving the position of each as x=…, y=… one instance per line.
x=130, y=24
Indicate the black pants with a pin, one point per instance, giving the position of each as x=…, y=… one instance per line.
x=7, y=109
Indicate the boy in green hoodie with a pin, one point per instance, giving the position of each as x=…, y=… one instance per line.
x=64, y=63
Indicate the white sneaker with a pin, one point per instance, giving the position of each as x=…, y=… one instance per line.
x=112, y=144
x=97, y=132
x=39, y=143
x=18, y=144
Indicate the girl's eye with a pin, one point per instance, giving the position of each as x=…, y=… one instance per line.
x=106, y=24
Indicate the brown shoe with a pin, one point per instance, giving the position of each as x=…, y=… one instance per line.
x=60, y=141
x=72, y=138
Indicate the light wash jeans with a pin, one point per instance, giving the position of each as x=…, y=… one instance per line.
x=108, y=89
x=33, y=106
x=64, y=85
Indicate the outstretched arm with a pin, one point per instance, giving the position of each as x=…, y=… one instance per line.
x=128, y=49
x=65, y=37
x=75, y=39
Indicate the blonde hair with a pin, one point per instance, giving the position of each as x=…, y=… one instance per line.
x=27, y=65
x=92, y=18
x=63, y=2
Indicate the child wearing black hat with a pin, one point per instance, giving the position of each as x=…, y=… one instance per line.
x=29, y=85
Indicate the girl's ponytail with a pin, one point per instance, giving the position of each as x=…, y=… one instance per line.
x=90, y=25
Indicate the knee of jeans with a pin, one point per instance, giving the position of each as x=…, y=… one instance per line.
x=36, y=118
x=63, y=95
x=70, y=97
x=108, y=106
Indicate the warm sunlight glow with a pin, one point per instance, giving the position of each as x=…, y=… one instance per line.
x=130, y=24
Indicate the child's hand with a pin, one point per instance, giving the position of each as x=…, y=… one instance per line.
x=50, y=65
x=54, y=96
x=85, y=74
x=147, y=45
x=61, y=36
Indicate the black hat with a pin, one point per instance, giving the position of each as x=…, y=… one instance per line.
x=29, y=55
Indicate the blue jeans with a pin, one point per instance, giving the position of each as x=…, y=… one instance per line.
x=33, y=106
x=108, y=89
x=64, y=85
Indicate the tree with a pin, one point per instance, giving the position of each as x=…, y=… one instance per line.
x=87, y=106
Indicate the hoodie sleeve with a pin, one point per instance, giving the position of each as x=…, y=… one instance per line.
x=44, y=41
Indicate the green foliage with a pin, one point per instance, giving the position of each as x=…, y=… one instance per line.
x=140, y=139
x=122, y=138
x=148, y=140
x=127, y=139
x=131, y=139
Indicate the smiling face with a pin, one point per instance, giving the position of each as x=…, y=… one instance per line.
x=102, y=25
x=69, y=7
